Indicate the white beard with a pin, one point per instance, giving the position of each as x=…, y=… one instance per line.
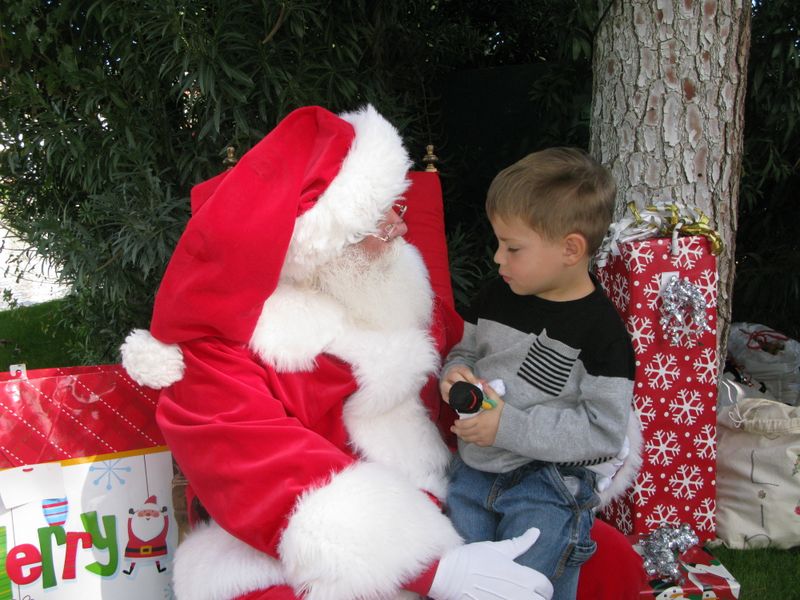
x=147, y=529
x=355, y=292
x=390, y=291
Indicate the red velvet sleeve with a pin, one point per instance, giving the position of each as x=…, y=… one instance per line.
x=422, y=584
x=247, y=457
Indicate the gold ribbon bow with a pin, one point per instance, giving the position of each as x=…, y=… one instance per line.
x=697, y=224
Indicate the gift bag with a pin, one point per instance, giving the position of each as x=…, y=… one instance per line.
x=735, y=385
x=85, y=485
x=768, y=356
x=758, y=475
x=665, y=289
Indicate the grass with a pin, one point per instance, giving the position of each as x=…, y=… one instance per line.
x=32, y=335
x=768, y=573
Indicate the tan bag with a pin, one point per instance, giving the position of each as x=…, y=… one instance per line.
x=758, y=474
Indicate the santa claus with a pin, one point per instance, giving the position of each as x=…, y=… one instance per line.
x=293, y=333
x=147, y=535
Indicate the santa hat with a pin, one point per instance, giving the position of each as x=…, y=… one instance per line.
x=151, y=502
x=314, y=185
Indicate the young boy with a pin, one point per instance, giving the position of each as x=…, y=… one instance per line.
x=546, y=329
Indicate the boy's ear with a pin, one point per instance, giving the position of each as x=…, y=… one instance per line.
x=575, y=247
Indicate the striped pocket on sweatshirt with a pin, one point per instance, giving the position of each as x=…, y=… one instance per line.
x=545, y=368
x=586, y=463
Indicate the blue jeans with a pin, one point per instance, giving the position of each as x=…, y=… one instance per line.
x=557, y=500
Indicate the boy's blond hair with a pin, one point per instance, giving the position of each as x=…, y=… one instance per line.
x=556, y=192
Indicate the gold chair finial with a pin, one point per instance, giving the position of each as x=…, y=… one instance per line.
x=430, y=159
x=230, y=157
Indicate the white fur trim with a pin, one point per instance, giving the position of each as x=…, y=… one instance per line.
x=389, y=366
x=363, y=535
x=211, y=564
x=406, y=438
x=626, y=475
x=372, y=177
x=385, y=417
x=150, y=362
x=296, y=324
x=391, y=361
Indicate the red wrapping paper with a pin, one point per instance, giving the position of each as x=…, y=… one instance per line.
x=675, y=389
x=703, y=577
x=65, y=413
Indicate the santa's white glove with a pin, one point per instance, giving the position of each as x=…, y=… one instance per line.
x=487, y=571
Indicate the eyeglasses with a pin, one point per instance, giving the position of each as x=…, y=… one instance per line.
x=386, y=230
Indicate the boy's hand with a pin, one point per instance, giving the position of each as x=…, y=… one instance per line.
x=454, y=374
x=481, y=429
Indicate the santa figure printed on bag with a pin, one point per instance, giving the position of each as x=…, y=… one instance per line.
x=147, y=535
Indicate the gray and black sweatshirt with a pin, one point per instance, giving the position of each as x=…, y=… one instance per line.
x=568, y=368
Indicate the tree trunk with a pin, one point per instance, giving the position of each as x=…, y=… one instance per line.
x=668, y=110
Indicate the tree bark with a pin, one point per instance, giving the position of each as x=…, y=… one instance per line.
x=668, y=111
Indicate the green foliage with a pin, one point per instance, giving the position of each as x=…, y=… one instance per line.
x=767, y=287
x=470, y=262
x=529, y=88
x=111, y=110
x=34, y=335
x=561, y=97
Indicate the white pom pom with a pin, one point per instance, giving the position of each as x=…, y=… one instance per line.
x=150, y=362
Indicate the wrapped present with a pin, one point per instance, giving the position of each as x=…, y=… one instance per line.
x=701, y=577
x=85, y=485
x=665, y=289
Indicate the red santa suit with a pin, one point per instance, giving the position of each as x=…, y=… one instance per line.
x=300, y=428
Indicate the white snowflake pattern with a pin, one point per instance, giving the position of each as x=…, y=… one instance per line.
x=643, y=489
x=662, y=371
x=641, y=331
x=686, y=481
x=662, y=447
x=652, y=291
x=707, y=284
x=706, y=366
x=686, y=407
x=643, y=405
x=637, y=257
x=684, y=338
x=604, y=276
x=662, y=515
x=110, y=472
x=704, y=515
x=622, y=516
x=706, y=442
x=620, y=295
x=689, y=252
